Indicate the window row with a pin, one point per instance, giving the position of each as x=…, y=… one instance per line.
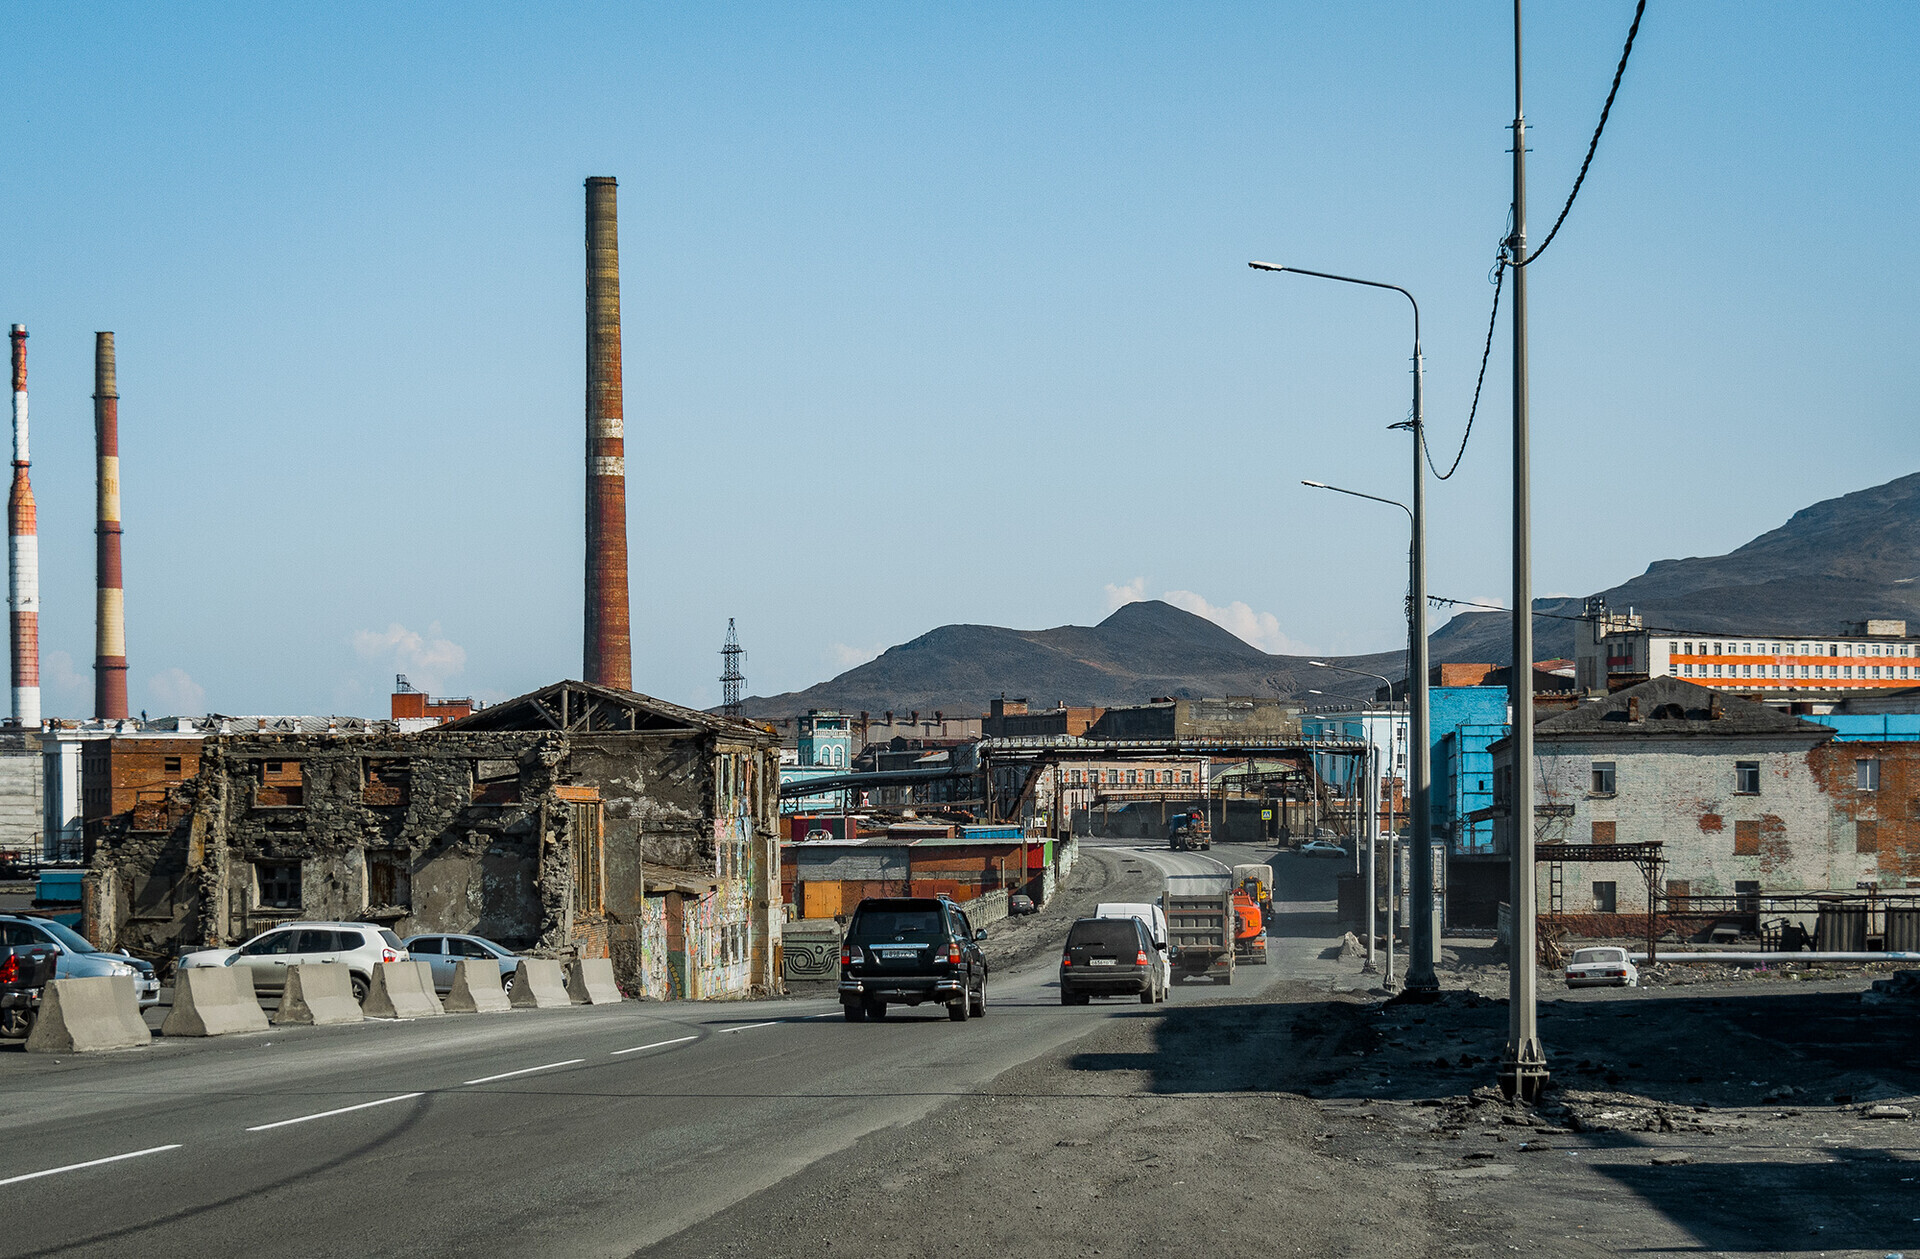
x=1804, y=671
x=1134, y=777
x=1695, y=648
x=1605, y=779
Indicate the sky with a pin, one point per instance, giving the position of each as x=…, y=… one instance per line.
x=931, y=313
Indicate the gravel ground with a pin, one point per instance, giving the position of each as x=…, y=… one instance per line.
x=1736, y=1116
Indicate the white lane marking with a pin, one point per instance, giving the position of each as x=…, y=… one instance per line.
x=749, y=1027
x=325, y=1114
x=830, y=1014
x=74, y=1167
x=658, y=1044
x=507, y=1075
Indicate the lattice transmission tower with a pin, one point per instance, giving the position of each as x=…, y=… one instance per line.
x=730, y=675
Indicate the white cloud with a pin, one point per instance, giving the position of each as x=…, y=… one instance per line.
x=428, y=660
x=1120, y=596
x=1262, y=629
x=845, y=657
x=178, y=694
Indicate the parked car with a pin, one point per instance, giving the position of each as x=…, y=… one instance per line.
x=1321, y=848
x=1603, y=967
x=1156, y=920
x=1110, y=957
x=1020, y=903
x=905, y=950
x=360, y=946
x=25, y=971
x=78, y=958
x=444, y=953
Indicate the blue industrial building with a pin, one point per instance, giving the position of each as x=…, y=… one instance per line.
x=1464, y=722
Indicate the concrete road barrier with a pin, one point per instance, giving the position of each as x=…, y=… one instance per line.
x=82, y=1015
x=213, y=1001
x=539, y=985
x=590, y=981
x=476, y=988
x=318, y=995
x=403, y=990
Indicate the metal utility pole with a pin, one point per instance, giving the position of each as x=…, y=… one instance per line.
x=1523, y=1067
x=1369, y=791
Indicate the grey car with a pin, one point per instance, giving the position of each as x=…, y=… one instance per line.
x=79, y=959
x=444, y=953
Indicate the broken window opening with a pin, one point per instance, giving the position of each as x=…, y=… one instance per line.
x=389, y=880
x=589, y=875
x=385, y=783
x=277, y=884
x=282, y=785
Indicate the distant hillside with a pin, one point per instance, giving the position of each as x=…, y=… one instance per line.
x=1849, y=558
x=1142, y=651
x=1845, y=559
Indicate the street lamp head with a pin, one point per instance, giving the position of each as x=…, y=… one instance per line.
x=1266, y=266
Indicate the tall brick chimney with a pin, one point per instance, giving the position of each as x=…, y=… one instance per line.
x=110, y=600
x=23, y=555
x=609, y=641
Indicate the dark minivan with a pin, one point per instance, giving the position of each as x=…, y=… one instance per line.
x=908, y=949
x=1110, y=957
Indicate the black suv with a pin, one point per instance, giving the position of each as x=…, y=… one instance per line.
x=1110, y=957
x=908, y=949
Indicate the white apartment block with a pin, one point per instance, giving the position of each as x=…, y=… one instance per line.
x=1610, y=645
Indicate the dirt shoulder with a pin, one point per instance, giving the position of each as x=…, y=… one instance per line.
x=1745, y=1118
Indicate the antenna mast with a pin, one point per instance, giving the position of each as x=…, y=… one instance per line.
x=730, y=675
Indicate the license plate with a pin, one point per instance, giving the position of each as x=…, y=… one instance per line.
x=898, y=955
x=1102, y=961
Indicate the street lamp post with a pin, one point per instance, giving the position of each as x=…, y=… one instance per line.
x=1420, y=973
x=1373, y=783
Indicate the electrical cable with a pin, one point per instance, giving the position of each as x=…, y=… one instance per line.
x=1593, y=144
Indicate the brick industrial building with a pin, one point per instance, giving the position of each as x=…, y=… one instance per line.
x=1746, y=801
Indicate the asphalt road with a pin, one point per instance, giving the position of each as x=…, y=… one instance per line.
x=590, y=1131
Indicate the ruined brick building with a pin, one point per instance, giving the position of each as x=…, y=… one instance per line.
x=573, y=820
x=1746, y=801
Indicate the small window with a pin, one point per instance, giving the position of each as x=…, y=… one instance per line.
x=1679, y=896
x=172, y=765
x=1604, y=899
x=1866, y=774
x=1603, y=778
x=1866, y=836
x=1748, y=892
x=277, y=885
x=1746, y=778
x=1603, y=833
x=389, y=880
x=1746, y=839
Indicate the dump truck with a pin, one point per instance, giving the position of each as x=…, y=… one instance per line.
x=1201, y=924
x=1250, y=932
x=1186, y=831
x=1256, y=881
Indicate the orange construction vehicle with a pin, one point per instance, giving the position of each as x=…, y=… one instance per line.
x=1250, y=935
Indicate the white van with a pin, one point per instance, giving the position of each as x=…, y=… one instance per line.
x=1156, y=920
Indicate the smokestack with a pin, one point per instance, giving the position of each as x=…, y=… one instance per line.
x=23, y=571
x=609, y=642
x=110, y=599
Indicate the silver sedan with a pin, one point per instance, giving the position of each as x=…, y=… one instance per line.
x=444, y=953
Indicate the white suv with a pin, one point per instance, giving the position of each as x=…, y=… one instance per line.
x=359, y=946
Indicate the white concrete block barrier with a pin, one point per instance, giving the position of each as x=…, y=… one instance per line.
x=590, y=981
x=539, y=985
x=403, y=990
x=82, y=1015
x=318, y=994
x=476, y=988
x=213, y=1001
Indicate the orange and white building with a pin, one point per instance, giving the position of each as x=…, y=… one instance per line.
x=1612, y=648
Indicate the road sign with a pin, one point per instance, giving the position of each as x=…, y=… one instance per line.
x=1266, y=815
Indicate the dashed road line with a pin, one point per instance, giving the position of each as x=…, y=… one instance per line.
x=98, y=1162
x=658, y=1044
x=327, y=1114
x=508, y=1075
x=750, y=1026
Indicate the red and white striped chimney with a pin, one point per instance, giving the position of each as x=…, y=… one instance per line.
x=23, y=555
x=110, y=597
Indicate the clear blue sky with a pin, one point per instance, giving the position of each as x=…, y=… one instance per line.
x=932, y=314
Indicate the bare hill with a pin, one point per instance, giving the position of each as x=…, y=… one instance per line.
x=1144, y=650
